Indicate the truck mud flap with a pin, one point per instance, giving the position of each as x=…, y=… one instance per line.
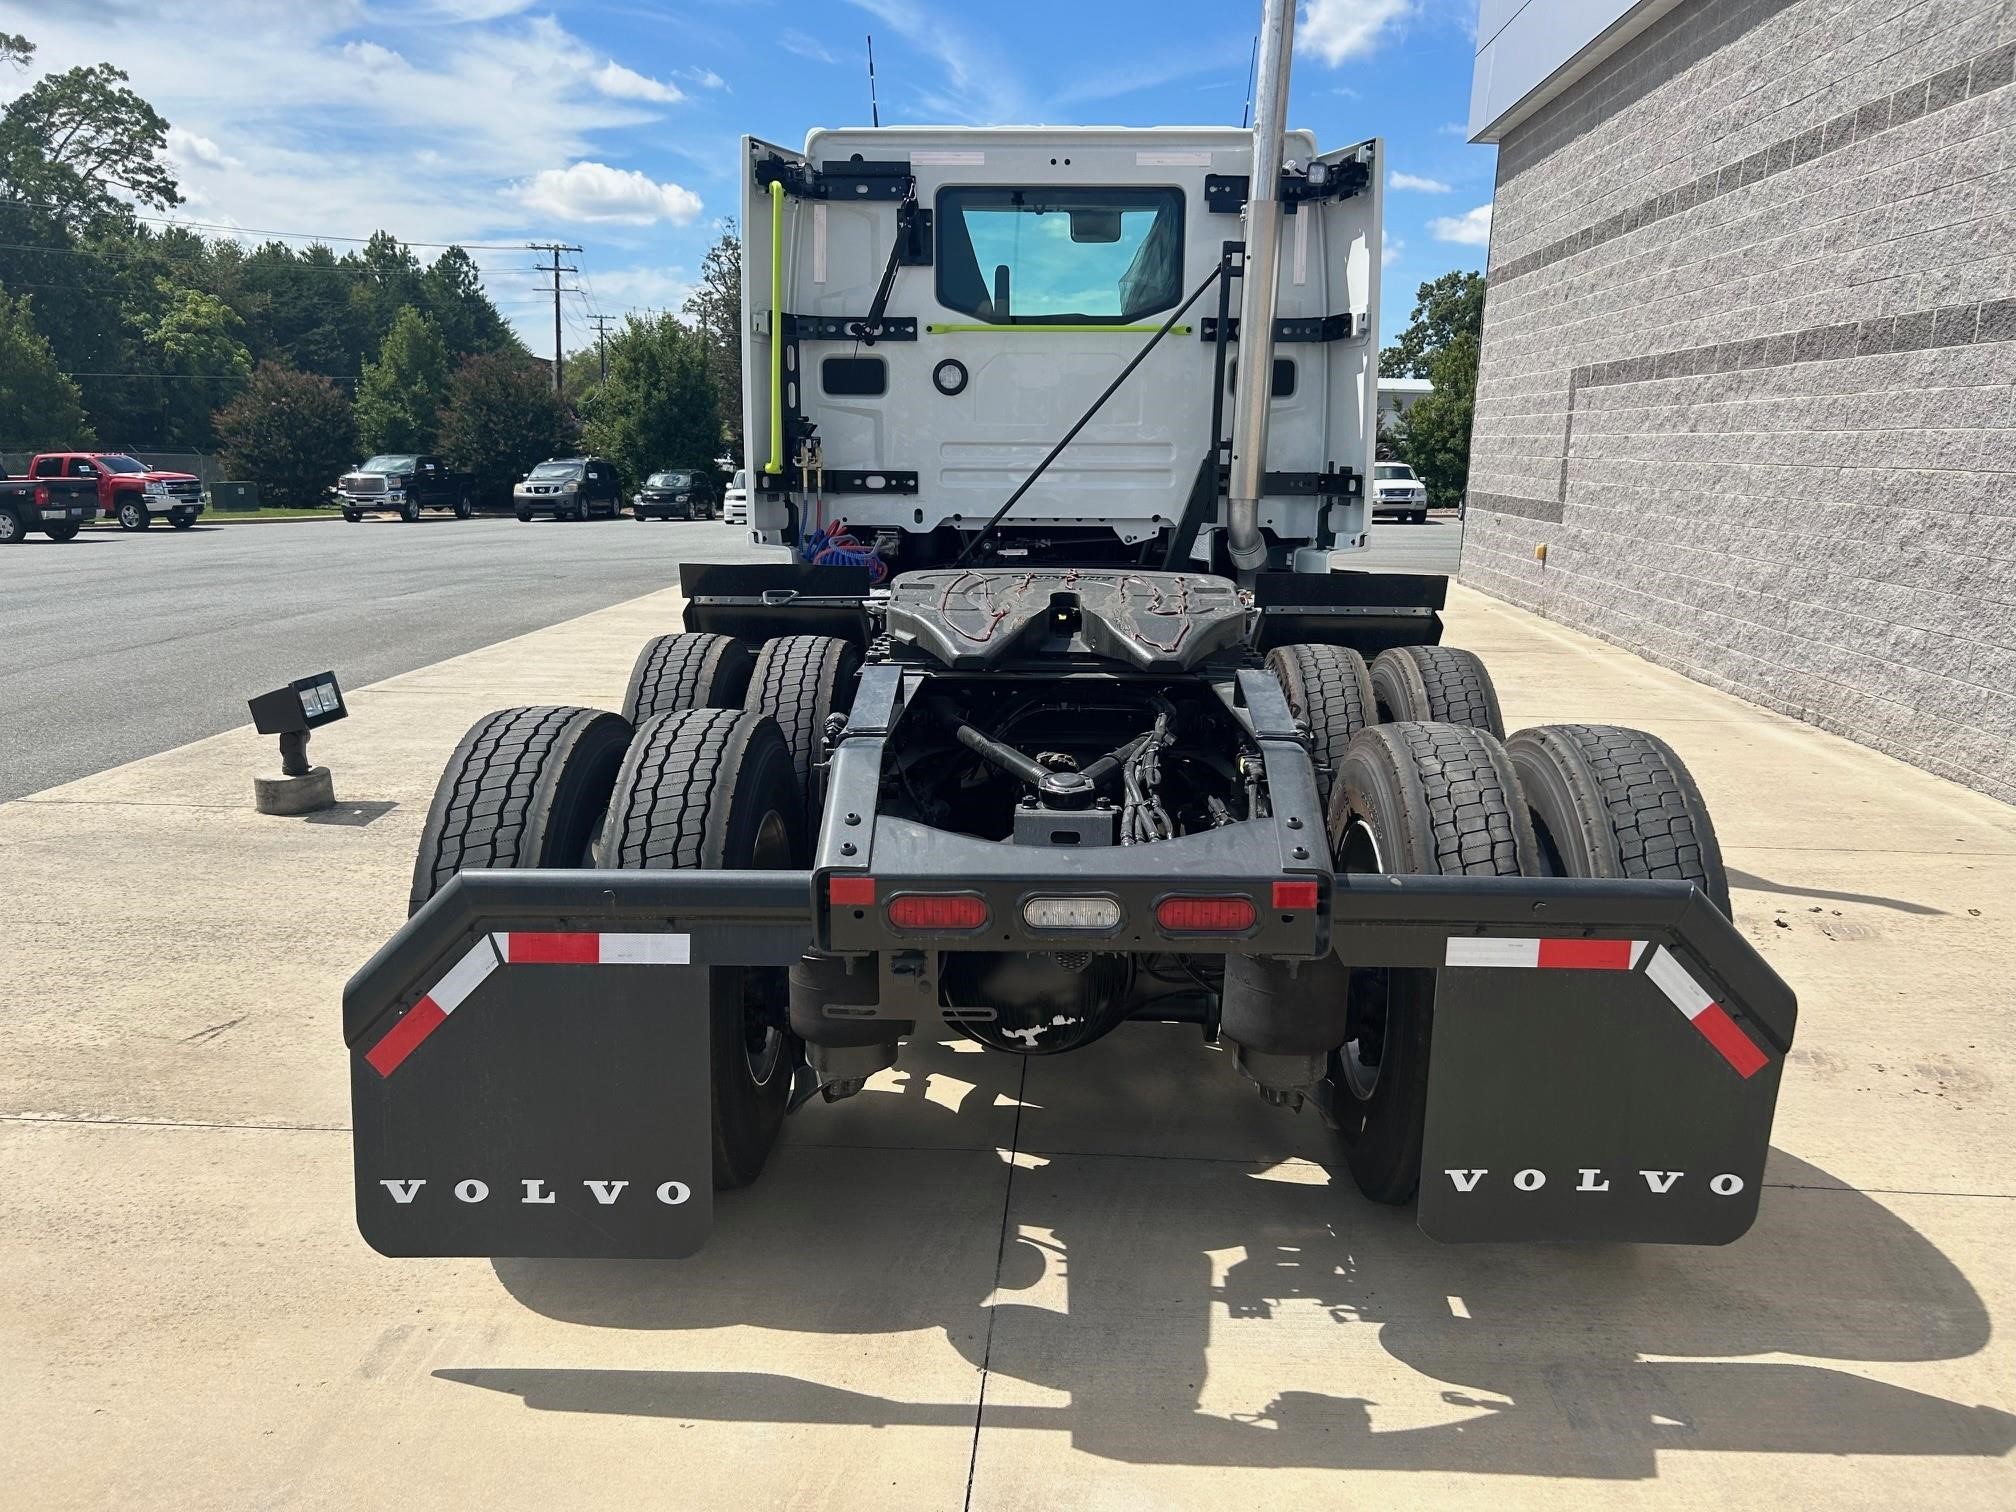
x=1604, y=1058
x=530, y=1060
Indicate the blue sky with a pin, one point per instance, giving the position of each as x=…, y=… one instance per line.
x=612, y=123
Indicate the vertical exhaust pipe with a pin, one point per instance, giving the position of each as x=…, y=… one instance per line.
x=1256, y=294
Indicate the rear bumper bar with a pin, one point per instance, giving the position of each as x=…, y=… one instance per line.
x=531, y=1049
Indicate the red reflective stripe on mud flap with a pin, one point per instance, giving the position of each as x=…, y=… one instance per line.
x=553, y=949
x=404, y=1037
x=1720, y=1031
x=1587, y=955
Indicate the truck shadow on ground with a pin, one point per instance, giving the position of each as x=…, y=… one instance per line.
x=1743, y=879
x=1123, y=1275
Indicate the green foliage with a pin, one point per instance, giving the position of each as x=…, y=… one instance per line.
x=71, y=143
x=501, y=418
x=40, y=409
x=1446, y=308
x=399, y=400
x=1435, y=438
x=715, y=308
x=291, y=433
x=191, y=340
x=452, y=296
x=659, y=407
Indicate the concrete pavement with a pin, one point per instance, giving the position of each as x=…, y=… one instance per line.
x=1107, y=1280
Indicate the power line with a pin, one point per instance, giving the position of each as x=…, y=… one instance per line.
x=166, y=220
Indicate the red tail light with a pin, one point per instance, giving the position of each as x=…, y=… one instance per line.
x=41, y=495
x=926, y=911
x=1205, y=915
x=1290, y=895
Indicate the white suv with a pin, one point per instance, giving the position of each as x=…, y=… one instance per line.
x=735, y=502
x=1397, y=492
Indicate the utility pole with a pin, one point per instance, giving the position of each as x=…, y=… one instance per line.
x=556, y=248
x=602, y=324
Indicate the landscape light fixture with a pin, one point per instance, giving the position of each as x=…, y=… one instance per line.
x=292, y=712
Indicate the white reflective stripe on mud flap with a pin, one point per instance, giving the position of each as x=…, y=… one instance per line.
x=1673, y=979
x=647, y=950
x=465, y=976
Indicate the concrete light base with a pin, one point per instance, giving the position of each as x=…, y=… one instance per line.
x=294, y=795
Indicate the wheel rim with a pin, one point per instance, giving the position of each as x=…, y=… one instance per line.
x=1359, y=1058
x=9, y=527
x=130, y=516
x=762, y=1039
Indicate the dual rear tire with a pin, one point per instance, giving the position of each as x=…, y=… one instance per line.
x=684, y=779
x=1423, y=796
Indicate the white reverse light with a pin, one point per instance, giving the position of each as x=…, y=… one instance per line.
x=1071, y=913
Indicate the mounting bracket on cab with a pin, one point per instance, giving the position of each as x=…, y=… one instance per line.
x=865, y=328
x=1225, y=193
x=1340, y=327
x=847, y=179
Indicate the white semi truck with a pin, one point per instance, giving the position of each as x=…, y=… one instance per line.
x=1050, y=717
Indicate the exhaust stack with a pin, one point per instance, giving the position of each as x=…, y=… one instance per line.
x=1256, y=295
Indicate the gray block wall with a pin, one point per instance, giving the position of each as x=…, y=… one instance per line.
x=1749, y=366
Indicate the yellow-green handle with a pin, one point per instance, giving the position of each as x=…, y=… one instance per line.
x=941, y=329
x=776, y=462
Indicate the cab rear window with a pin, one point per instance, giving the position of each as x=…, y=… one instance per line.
x=1060, y=256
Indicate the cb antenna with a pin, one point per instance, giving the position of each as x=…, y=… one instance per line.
x=874, y=109
x=1252, y=68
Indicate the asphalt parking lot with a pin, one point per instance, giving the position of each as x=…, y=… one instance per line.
x=121, y=645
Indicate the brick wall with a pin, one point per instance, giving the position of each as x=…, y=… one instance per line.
x=1748, y=365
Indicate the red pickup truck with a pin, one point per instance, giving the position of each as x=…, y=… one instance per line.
x=129, y=491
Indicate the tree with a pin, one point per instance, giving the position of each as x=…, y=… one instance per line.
x=502, y=417
x=291, y=433
x=193, y=344
x=399, y=400
x=40, y=408
x=452, y=290
x=73, y=142
x=1444, y=309
x=658, y=407
x=1435, y=437
x=715, y=308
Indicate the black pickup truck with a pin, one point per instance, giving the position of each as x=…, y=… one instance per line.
x=405, y=483
x=58, y=507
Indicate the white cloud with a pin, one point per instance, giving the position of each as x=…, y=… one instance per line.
x=1338, y=29
x=1389, y=249
x=1452, y=129
x=1399, y=180
x=191, y=148
x=793, y=40
x=596, y=192
x=620, y=83
x=1470, y=229
x=706, y=78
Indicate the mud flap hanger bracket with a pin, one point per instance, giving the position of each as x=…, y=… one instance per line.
x=530, y=1052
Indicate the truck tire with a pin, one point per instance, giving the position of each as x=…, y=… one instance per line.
x=526, y=787
x=410, y=512
x=1611, y=802
x=688, y=671
x=353, y=516
x=1329, y=689
x=1437, y=685
x=133, y=514
x=67, y=531
x=181, y=519
x=13, y=530
x=1416, y=799
x=716, y=789
x=463, y=508
x=801, y=681
x=524, y=516
x=580, y=510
